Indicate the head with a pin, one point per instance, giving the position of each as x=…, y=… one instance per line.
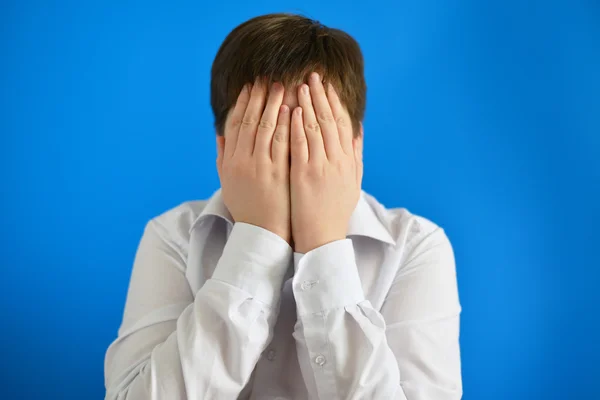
x=286, y=48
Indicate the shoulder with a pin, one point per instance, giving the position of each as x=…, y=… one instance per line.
x=174, y=224
x=182, y=216
x=407, y=228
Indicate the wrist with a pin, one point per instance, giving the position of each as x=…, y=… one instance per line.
x=284, y=235
x=283, y=232
x=310, y=242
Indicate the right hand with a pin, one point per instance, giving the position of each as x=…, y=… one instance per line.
x=253, y=159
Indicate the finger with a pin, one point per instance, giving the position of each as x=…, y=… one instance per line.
x=324, y=116
x=232, y=127
x=298, y=140
x=358, y=159
x=268, y=122
x=316, y=149
x=250, y=121
x=342, y=120
x=281, y=138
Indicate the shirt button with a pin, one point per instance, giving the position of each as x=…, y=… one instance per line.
x=307, y=285
x=271, y=355
x=320, y=360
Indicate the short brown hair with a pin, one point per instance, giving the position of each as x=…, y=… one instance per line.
x=287, y=48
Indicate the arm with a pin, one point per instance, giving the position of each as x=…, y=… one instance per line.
x=422, y=315
x=408, y=350
x=173, y=345
x=349, y=350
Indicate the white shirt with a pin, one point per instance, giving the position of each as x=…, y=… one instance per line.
x=217, y=310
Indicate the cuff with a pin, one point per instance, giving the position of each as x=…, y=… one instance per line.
x=254, y=260
x=326, y=278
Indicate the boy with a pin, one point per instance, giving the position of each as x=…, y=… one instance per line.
x=290, y=281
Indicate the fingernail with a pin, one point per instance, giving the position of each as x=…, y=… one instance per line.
x=315, y=77
x=283, y=109
x=305, y=89
x=299, y=111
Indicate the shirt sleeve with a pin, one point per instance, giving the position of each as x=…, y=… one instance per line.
x=173, y=344
x=408, y=350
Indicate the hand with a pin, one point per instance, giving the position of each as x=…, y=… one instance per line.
x=326, y=167
x=253, y=159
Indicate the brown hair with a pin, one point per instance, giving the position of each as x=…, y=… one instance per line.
x=287, y=48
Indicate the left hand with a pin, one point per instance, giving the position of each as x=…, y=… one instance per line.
x=326, y=167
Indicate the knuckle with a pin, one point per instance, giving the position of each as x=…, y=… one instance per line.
x=313, y=174
x=279, y=137
x=313, y=127
x=266, y=124
x=341, y=121
x=248, y=121
x=340, y=166
x=314, y=170
x=325, y=116
x=341, y=162
x=235, y=123
x=298, y=140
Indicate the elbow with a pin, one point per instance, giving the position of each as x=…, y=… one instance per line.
x=122, y=387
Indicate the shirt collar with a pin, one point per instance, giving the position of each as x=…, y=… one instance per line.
x=363, y=222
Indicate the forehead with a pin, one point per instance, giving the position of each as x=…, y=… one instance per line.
x=290, y=97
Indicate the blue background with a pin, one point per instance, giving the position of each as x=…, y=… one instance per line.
x=483, y=117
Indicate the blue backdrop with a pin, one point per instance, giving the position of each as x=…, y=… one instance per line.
x=482, y=117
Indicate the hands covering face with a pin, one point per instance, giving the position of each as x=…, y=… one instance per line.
x=310, y=199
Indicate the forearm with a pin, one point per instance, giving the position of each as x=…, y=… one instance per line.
x=341, y=339
x=208, y=353
x=218, y=338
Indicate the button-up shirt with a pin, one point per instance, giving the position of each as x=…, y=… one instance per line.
x=222, y=310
